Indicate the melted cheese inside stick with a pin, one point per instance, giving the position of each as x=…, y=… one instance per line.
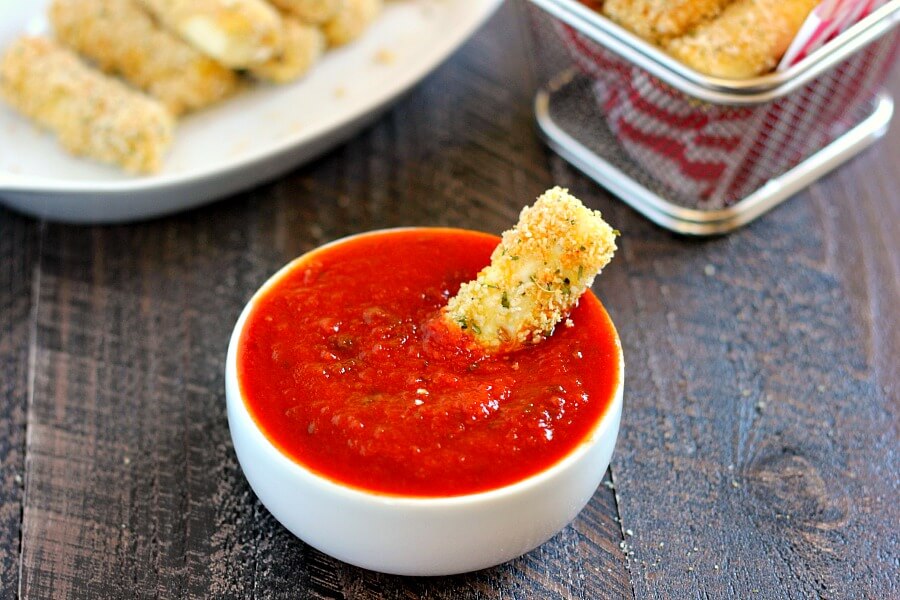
x=237, y=33
x=120, y=38
x=537, y=274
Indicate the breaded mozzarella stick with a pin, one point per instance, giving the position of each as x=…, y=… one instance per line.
x=747, y=39
x=310, y=11
x=537, y=274
x=654, y=19
x=303, y=46
x=237, y=33
x=93, y=115
x=353, y=18
x=122, y=39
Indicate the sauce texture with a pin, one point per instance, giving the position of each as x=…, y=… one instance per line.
x=345, y=368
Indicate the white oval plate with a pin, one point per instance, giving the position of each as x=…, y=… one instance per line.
x=245, y=140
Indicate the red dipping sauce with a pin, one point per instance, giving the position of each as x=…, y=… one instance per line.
x=344, y=368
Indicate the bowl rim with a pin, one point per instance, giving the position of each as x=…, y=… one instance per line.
x=237, y=407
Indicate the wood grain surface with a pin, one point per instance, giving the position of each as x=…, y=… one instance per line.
x=758, y=452
x=18, y=255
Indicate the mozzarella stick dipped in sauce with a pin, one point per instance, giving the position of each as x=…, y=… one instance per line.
x=655, y=19
x=746, y=40
x=237, y=33
x=120, y=38
x=304, y=45
x=92, y=115
x=310, y=11
x=351, y=20
x=537, y=274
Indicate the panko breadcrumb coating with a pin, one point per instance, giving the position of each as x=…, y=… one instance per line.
x=310, y=11
x=93, y=115
x=655, y=19
x=303, y=46
x=747, y=39
x=237, y=33
x=537, y=274
x=120, y=38
x=351, y=21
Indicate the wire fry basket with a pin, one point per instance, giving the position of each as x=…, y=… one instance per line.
x=698, y=154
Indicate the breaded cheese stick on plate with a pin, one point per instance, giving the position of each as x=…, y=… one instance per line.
x=538, y=272
x=120, y=38
x=237, y=33
x=310, y=11
x=746, y=40
x=655, y=19
x=93, y=115
x=353, y=18
x=303, y=46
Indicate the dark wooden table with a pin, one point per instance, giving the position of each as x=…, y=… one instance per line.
x=758, y=456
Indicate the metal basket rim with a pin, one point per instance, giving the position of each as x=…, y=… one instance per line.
x=717, y=90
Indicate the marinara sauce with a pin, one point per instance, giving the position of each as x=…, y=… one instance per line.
x=346, y=370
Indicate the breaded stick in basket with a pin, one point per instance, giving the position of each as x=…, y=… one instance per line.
x=353, y=18
x=747, y=39
x=303, y=46
x=656, y=19
x=237, y=33
x=310, y=11
x=537, y=274
x=122, y=39
x=93, y=115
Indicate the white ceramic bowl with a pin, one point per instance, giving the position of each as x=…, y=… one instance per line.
x=409, y=535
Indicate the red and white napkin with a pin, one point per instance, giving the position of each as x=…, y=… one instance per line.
x=825, y=22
